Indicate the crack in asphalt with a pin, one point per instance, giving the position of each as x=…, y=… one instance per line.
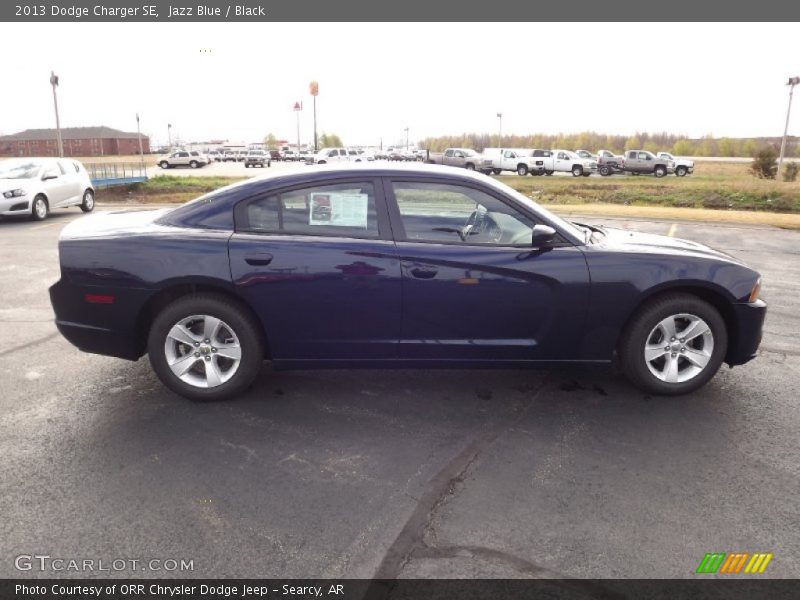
x=35, y=342
x=440, y=488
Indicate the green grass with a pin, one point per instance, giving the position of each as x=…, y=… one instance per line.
x=719, y=186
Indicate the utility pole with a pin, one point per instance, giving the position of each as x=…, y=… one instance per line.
x=297, y=108
x=169, y=137
x=406, y=130
x=54, y=83
x=139, y=135
x=793, y=81
x=500, y=129
x=314, y=89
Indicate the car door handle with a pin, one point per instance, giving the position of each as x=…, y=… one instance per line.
x=424, y=272
x=258, y=260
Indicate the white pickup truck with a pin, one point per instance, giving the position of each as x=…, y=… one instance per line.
x=683, y=166
x=548, y=162
x=496, y=160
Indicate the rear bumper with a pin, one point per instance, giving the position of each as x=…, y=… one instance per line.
x=749, y=326
x=106, y=329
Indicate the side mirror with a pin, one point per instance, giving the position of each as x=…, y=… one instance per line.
x=542, y=235
x=47, y=176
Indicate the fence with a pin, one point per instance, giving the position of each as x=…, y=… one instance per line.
x=112, y=173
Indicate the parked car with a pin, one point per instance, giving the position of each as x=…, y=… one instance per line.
x=213, y=156
x=331, y=155
x=683, y=166
x=390, y=266
x=456, y=157
x=548, y=162
x=642, y=162
x=182, y=158
x=496, y=160
x=274, y=155
x=586, y=154
x=241, y=155
x=257, y=157
x=32, y=187
x=609, y=163
x=289, y=155
x=229, y=156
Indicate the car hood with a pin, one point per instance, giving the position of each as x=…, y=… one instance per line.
x=15, y=184
x=634, y=241
x=112, y=224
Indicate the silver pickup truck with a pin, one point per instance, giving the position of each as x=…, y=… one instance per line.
x=641, y=162
x=456, y=157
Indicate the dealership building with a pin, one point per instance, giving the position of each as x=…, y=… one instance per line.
x=77, y=141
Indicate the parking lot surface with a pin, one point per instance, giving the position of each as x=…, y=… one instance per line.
x=451, y=473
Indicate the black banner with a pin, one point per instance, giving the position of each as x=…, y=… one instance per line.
x=177, y=11
x=406, y=589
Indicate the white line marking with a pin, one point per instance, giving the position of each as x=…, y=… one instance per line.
x=671, y=232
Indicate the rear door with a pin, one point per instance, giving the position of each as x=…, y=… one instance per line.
x=318, y=264
x=473, y=286
x=72, y=182
x=563, y=162
x=56, y=184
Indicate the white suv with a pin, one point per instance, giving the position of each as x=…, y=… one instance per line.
x=183, y=158
x=330, y=155
x=34, y=186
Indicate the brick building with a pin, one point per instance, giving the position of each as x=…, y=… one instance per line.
x=78, y=141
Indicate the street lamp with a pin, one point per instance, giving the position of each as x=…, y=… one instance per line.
x=54, y=83
x=298, y=106
x=406, y=130
x=500, y=129
x=313, y=88
x=793, y=81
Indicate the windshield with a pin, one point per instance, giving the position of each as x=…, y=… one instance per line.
x=19, y=169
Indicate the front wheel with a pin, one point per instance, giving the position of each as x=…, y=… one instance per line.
x=660, y=171
x=496, y=171
x=673, y=345
x=39, y=209
x=680, y=171
x=577, y=171
x=522, y=170
x=549, y=173
x=88, y=201
x=205, y=347
x=193, y=164
x=605, y=171
x=469, y=167
x=164, y=164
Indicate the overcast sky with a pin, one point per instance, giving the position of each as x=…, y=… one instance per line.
x=239, y=81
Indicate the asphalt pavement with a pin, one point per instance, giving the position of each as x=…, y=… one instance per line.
x=436, y=473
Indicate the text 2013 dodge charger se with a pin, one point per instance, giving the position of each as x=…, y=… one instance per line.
x=385, y=266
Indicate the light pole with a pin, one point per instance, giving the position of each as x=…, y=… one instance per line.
x=500, y=129
x=169, y=137
x=793, y=81
x=54, y=83
x=139, y=135
x=298, y=106
x=313, y=87
x=406, y=130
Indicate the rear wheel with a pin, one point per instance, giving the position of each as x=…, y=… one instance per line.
x=548, y=173
x=88, y=201
x=469, y=167
x=205, y=347
x=673, y=345
x=577, y=171
x=605, y=171
x=193, y=164
x=39, y=208
x=496, y=171
x=164, y=164
x=522, y=170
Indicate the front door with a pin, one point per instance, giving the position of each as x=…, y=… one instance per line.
x=319, y=266
x=473, y=286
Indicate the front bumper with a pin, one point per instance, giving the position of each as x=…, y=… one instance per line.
x=747, y=332
x=15, y=206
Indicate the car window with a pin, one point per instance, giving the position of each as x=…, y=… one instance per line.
x=446, y=213
x=77, y=167
x=343, y=209
x=183, y=154
x=448, y=153
x=632, y=155
x=643, y=156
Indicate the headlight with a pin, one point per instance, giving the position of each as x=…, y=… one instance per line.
x=756, y=292
x=14, y=193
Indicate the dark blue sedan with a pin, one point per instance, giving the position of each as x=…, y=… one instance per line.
x=395, y=267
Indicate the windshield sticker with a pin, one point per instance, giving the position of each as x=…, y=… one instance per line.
x=339, y=210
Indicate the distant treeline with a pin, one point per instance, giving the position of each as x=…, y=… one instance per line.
x=589, y=140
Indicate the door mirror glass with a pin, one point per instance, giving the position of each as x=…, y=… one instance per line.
x=542, y=235
x=49, y=174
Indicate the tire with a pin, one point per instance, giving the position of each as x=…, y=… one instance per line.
x=88, y=201
x=585, y=174
x=522, y=170
x=660, y=171
x=206, y=359
x=681, y=171
x=605, y=171
x=164, y=164
x=577, y=171
x=709, y=345
x=39, y=208
x=469, y=167
x=193, y=164
x=322, y=162
x=549, y=173
x=246, y=166
x=496, y=171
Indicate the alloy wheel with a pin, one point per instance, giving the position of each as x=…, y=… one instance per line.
x=202, y=351
x=678, y=348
